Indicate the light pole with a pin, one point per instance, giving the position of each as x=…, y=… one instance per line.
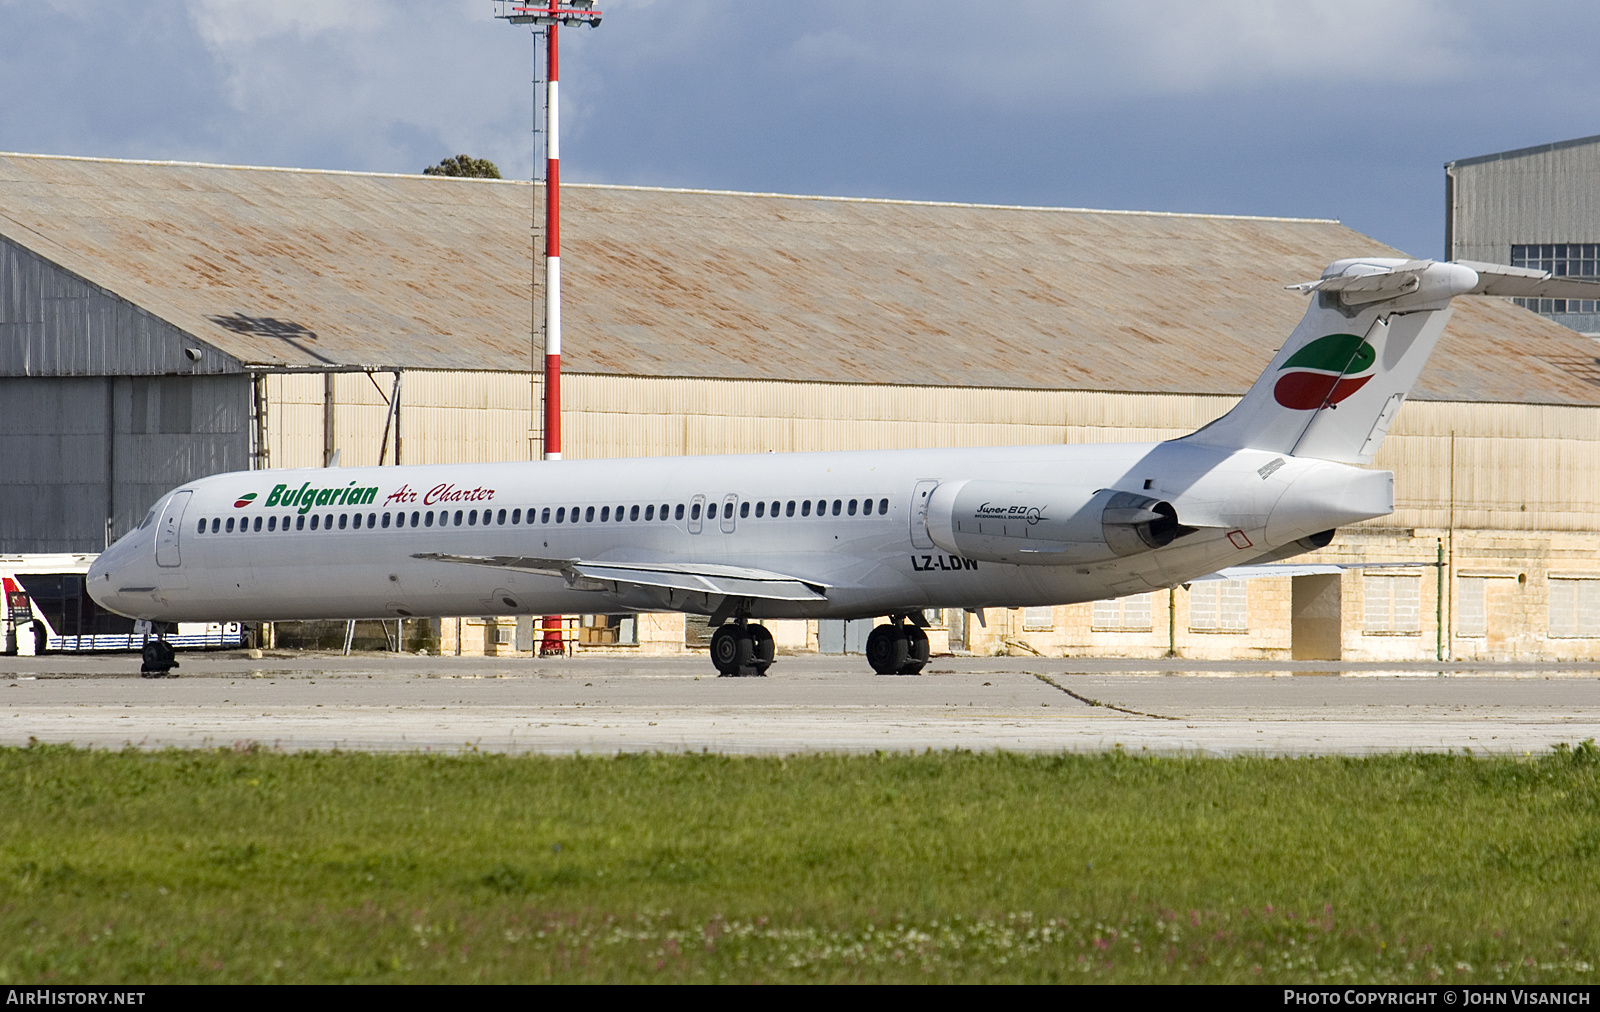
x=551, y=17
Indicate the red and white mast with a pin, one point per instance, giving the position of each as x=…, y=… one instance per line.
x=572, y=14
x=552, y=248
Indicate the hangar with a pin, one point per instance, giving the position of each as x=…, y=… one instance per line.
x=160, y=321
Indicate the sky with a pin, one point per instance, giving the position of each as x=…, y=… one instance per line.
x=1344, y=109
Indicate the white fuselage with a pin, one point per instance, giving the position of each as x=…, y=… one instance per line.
x=272, y=565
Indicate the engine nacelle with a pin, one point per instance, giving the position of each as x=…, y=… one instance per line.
x=1047, y=525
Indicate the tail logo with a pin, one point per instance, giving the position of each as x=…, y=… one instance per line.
x=1326, y=371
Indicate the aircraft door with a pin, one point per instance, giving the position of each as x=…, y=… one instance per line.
x=697, y=507
x=729, y=502
x=167, y=531
x=919, y=513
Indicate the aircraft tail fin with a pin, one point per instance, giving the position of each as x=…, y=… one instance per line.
x=1335, y=386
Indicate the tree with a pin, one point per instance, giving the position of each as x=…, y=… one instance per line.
x=464, y=165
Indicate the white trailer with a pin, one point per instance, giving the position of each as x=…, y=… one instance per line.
x=47, y=609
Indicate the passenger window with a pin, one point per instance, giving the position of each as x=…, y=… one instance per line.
x=588, y=515
x=386, y=521
x=664, y=511
x=355, y=521
x=836, y=505
x=851, y=508
x=633, y=513
x=202, y=528
x=257, y=526
x=229, y=526
x=744, y=509
x=883, y=506
x=472, y=518
x=300, y=522
x=458, y=518
x=605, y=513
x=788, y=510
x=677, y=512
x=866, y=507
x=761, y=510
x=694, y=514
x=805, y=508
x=216, y=525
x=272, y=523
x=313, y=521
x=775, y=505
x=544, y=517
x=561, y=515
x=500, y=517
x=711, y=511
x=650, y=512
x=343, y=520
x=372, y=520
x=427, y=521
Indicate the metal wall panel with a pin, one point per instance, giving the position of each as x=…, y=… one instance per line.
x=445, y=418
x=53, y=323
x=1516, y=466
x=1549, y=194
x=63, y=476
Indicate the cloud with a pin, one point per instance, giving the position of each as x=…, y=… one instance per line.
x=1033, y=53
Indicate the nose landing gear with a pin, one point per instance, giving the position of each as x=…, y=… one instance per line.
x=742, y=650
x=897, y=648
x=158, y=658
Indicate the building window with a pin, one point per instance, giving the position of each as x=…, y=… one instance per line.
x=1393, y=605
x=1574, y=607
x=1564, y=260
x=1219, y=606
x=1125, y=614
x=1472, y=616
x=1038, y=619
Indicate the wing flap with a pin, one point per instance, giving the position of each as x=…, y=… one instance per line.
x=728, y=581
x=1301, y=569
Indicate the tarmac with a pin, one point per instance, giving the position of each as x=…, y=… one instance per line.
x=807, y=703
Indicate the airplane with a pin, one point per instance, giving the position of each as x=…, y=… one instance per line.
x=857, y=534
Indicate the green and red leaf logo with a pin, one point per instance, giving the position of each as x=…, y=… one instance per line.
x=1326, y=371
x=244, y=501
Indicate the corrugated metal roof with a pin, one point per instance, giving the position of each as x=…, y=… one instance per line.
x=299, y=268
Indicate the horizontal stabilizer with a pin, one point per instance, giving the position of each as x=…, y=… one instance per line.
x=1361, y=283
x=1525, y=283
x=1364, y=283
x=728, y=581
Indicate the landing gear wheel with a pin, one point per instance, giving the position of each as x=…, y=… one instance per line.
x=888, y=649
x=917, y=651
x=158, y=659
x=733, y=651
x=763, y=649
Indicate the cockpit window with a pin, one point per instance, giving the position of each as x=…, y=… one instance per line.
x=148, y=517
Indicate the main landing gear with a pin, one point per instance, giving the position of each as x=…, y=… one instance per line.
x=742, y=650
x=897, y=648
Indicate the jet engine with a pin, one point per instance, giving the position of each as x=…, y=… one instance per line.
x=1045, y=525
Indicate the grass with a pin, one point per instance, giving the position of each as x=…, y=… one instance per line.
x=251, y=866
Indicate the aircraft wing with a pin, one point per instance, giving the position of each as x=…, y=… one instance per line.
x=1301, y=569
x=728, y=581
